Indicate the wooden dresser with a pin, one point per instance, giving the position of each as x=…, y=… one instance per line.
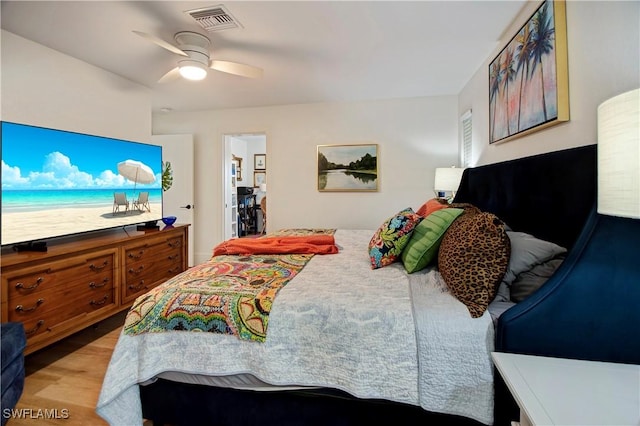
x=78, y=283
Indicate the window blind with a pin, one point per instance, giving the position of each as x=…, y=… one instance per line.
x=465, y=135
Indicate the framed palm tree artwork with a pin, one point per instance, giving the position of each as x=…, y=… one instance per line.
x=528, y=80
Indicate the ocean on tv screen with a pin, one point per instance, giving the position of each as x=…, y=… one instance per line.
x=57, y=183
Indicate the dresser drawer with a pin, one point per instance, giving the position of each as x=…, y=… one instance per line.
x=47, y=299
x=153, y=248
x=142, y=276
x=66, y=315
x=54, y=275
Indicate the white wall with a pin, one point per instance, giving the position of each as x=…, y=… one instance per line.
x=43, y=87
x=414, y=135
x=604, y=60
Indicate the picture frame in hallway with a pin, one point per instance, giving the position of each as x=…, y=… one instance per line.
x=259, y=177
x=529, y=79
x=237, y=161
x=259, y=161
x=352, y=168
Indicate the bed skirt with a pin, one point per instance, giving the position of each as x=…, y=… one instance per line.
x=166, y=402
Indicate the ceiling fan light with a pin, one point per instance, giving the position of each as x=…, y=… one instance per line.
x=192, y=70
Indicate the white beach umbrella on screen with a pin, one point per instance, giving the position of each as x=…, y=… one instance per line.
x=136, y=171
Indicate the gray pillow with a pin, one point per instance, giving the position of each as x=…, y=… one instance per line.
x=504, y=293
x=528, y=251
x=529, y=281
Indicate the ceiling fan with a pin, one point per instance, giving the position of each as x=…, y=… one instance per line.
x=195, y=48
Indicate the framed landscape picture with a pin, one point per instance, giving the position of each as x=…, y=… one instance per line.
x=348, y=167
x=529, y=80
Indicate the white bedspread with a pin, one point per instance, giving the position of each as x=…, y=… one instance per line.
x=455, y=368
x=338, y=324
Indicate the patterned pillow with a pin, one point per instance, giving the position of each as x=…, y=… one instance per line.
x=393, y=235
x=425, y=241
x=473, y=258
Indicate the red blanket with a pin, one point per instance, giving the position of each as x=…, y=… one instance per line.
x=307, y=244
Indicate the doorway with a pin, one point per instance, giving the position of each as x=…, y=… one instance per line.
x=245, y=172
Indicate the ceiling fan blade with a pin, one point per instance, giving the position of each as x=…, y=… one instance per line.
x=237, y=69
x=170, y=47
x=170, y=76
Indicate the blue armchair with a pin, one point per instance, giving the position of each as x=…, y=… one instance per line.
x=12, y=343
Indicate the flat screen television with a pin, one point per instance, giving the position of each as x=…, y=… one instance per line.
x=56, y=183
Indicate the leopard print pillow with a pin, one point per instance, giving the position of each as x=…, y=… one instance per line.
x=467, y=207
x=473, y=258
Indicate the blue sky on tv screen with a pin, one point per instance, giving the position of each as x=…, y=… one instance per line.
x=40, y=158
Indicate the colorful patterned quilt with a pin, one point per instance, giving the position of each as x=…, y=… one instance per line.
x=228, y=294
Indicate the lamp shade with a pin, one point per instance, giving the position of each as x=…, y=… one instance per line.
x=448, y=178
x=263, y=187
x=619, y=155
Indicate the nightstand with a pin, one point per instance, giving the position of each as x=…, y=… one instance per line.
x=558, y=391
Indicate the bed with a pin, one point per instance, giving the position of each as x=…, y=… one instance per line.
x=366, y=356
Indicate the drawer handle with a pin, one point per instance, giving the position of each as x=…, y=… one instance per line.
x=175, y=270
x=137, y=287
x=136, y=271
x=136, y=256
x=99, y=268
x=173, y=257
x=100, y=302
x=174, y=244
x=92, y=284
x=32, y=287
x=39, y=324
x=21, y=308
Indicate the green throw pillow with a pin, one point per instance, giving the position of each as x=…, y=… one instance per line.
x=423, y=246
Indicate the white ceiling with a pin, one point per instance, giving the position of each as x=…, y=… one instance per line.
x=311, y=51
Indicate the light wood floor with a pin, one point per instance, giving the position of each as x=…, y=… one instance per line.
x=68, y=375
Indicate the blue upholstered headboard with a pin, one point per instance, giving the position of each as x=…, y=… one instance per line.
x=592, y=303
x=590, y=308
x=548, y=195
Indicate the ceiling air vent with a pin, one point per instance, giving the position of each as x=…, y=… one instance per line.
x=214, y=18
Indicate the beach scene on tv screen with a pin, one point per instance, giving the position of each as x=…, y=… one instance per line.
x=58, y=183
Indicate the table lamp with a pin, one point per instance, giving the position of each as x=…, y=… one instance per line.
x=447, y=181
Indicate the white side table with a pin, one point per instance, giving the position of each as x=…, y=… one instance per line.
x=558, y=391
